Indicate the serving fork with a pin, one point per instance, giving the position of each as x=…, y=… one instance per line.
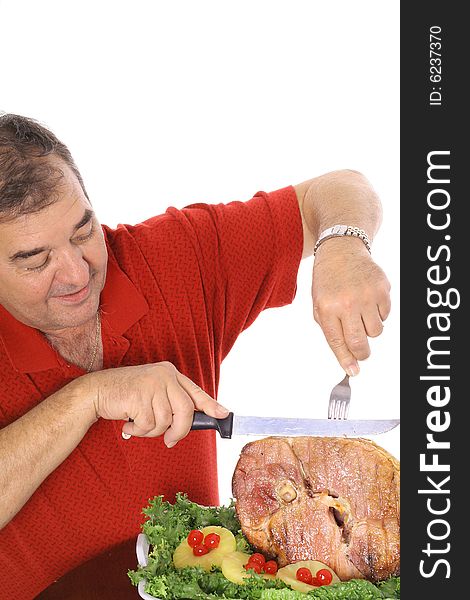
x=340, y=398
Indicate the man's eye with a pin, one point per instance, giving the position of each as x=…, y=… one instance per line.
x=39, y=267
x=85, y=236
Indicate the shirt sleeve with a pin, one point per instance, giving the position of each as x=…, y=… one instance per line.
x=248, y=254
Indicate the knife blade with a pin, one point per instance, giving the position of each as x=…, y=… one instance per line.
x=281, y=426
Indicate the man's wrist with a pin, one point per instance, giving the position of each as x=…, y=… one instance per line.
x=345, y=231
x=81, y=394
x=339, y=246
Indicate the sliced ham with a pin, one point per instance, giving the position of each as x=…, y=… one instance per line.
x=335, y=500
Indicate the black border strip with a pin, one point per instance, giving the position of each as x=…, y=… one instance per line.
x=434, y=254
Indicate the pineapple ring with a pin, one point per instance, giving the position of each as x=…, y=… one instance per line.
x=288, y=574
x=233, y=568
x=184, y=557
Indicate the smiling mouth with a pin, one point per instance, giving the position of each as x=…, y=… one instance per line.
x=76, y=296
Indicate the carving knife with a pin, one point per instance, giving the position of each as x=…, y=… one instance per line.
x=280, y=426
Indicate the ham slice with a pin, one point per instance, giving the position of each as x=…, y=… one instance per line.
x=335, y=500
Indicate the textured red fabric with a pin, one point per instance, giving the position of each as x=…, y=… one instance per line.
x=180, y=287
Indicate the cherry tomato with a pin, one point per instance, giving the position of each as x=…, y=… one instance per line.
x=257, y=557
x=253, y=565
x=324, y=577
x=304, y=575
x=195, y=537
x=270, y=567
x=200, y=550
x=212, y=540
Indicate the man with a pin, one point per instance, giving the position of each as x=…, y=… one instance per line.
x=108, y=334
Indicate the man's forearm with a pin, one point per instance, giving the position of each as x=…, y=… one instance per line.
x=350, y=293
x=341, y=197
x=37, y=443
x=156, y=397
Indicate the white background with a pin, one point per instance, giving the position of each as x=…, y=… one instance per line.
x=170, y=103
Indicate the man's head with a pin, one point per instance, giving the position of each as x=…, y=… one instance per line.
x=52, y=252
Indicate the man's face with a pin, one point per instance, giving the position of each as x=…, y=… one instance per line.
x=53, y=262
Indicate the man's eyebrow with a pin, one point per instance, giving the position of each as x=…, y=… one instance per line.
x=87, y=216
x=27, y=253
x=22, y=254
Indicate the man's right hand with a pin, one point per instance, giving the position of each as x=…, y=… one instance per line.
x=156, y=397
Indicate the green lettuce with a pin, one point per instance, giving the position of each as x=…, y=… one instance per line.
x=355, y=589
x=168, y=524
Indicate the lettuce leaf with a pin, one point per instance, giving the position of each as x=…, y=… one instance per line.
x=167, y=524
x=390, y=588
x=355, y=589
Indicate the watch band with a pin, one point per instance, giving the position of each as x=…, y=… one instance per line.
x=339, y=231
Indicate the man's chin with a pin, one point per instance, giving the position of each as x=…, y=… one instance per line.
x=75, y=314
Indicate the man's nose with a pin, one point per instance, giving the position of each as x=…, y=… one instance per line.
x=73, y=270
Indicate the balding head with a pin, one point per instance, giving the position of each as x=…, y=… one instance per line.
x=28, y=176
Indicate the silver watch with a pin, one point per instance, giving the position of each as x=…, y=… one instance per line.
x=340, y=230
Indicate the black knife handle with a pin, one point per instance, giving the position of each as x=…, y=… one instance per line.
x=223, y=426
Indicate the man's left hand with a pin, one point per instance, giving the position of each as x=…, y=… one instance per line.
x=351, y=299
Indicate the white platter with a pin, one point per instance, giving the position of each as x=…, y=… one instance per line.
x=142, y=550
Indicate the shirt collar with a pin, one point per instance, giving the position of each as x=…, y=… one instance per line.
x=121, y=304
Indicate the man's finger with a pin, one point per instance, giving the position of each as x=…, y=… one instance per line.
x=373, y=323
x=202, y=401
x=183, y=411
x=153, y=419
x=355, y=336
x=140, y=424
x=334, y=335
x=384, y=307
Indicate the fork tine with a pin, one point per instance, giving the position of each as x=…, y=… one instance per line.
x=333, y=408
x=348, y=399
x=340, y=409
x=337, y=409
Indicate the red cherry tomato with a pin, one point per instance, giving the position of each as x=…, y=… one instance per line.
x=270, y=567
x=195, y=537
x=212, y=540
x=257, y=557
x=200, y=550
x=304, y=575
x=324, y=577
x=253, y=565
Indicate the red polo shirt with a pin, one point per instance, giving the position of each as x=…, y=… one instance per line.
x=180, y=287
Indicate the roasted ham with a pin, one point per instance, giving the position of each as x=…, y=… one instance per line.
x=335, y=500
